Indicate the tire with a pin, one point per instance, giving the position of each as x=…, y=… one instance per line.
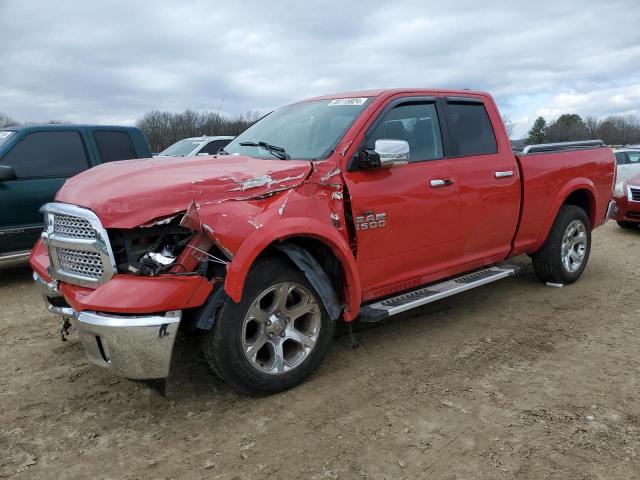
x=627, y=225
x=263, y=318
x=557, y=260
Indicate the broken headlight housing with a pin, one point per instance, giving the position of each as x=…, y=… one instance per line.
x=148, y=250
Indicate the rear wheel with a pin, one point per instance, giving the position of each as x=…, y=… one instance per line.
x=627, y=225
x=564, y=255
x=275, y=337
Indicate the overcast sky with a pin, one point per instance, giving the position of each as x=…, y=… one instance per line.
x=111, y=61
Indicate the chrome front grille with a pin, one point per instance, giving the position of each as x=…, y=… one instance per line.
x=634, y=194
x=73, y=227
x=79, y=248
x=79, y=262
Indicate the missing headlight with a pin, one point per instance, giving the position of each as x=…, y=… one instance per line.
x=148, y=250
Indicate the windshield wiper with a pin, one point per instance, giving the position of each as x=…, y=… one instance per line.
x=272, y=149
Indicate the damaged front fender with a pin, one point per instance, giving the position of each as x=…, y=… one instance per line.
x=279, y=230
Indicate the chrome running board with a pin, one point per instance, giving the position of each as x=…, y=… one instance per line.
x=381, y=309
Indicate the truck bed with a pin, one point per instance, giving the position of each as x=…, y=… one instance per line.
x=548, y=177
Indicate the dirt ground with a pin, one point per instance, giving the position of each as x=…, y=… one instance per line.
x=511, y=380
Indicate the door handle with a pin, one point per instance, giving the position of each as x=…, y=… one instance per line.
x=441, y=182
x=504, y=173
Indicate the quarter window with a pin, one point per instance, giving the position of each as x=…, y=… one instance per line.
x=48, y=154
x=471, y=129
x=416, y=123
x=114, y=145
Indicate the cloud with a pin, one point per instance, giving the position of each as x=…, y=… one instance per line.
x=111, y=61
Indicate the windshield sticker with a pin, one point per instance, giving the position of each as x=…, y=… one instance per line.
x=347, y=101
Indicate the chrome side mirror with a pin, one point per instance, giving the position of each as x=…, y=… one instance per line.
x=385, y=154
x=392, y=152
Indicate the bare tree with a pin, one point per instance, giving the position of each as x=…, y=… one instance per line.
x=165, y=128
x=592, y=124
x=509, y=125
x=7, y=121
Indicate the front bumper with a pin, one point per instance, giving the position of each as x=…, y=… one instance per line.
x=132, y=346
x=627, y=210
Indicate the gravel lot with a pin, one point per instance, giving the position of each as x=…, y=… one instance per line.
x=511, y=380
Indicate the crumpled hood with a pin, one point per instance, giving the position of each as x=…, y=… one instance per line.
x=129, y=193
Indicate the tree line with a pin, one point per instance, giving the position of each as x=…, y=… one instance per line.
x=165, y=128
x=613, y=130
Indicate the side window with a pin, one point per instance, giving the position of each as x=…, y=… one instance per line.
x=48, y=154
x=620, y=158
x=417, y=123
x=213, y=146
x=634, y=157
x=114, y=145
x=471, y=128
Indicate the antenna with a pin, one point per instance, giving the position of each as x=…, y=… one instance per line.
x=221, y=103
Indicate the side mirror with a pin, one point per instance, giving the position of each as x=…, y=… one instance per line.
x=7, y=173
x=385, y=154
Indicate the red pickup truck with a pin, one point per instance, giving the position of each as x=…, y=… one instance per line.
x=353, y=206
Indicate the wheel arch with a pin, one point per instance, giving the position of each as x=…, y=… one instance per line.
x=309, y=234
x=580, y=192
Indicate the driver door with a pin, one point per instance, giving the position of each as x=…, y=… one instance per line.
x=407, y=217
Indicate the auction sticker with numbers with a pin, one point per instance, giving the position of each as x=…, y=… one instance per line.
x=347, y=101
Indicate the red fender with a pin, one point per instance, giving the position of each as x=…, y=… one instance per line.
x=570, y=187
x=257, y=241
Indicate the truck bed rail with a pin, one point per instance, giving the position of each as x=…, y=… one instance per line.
x=560, y=146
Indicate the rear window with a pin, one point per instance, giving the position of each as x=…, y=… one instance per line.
x=472, y=129
x=48, y=154
x=212, y=147
x=114, y=145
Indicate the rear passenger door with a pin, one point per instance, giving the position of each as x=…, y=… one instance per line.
x=488, y=176
x=42, y=162
x=114, y=145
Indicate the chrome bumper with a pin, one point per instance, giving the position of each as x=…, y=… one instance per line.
x=137, y=347
x=612, y=210
x=49, y=291
x=131, y=347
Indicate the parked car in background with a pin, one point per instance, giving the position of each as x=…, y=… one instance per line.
x=628, y=162
x=627, y=197
x=360, y=205
x=36, y=160
x=190, y=147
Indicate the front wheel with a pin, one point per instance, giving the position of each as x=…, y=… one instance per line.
x=564, y=255
x=275, y=337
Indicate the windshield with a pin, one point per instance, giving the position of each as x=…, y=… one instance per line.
x=302, y=131
x=181, y=148
x=5, y=135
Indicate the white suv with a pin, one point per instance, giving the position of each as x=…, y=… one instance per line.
x=190, y=147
